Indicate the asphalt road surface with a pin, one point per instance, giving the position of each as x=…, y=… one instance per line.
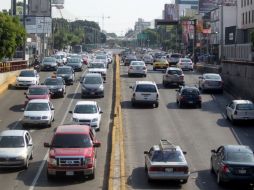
x=197, y=131
x=35, y=177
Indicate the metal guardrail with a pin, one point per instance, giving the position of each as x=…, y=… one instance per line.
x=12, y=66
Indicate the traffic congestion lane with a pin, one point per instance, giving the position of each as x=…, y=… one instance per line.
x=33, y=177
x=197, y=131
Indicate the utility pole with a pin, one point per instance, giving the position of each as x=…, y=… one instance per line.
x=194, y=41
x=222, y=35
x=24, y=24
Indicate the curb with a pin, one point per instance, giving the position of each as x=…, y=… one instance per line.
x=7, y=84
x=117, y=160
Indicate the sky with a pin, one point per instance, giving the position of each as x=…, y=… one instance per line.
x=119, y=15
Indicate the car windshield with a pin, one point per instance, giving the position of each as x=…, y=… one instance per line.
x=71, y=141
x=49, y=59
x=137, y=64
x=73, y=60
x=146, y=88
x=86, y=109
x=11, y=141
x=63, y=71
x=53, y=82
x=167, y=156
x=92, y=80
x=32, y=106
x=240, y=157
x=213, y=77
x=97, y=65
x=245, y=107
x=174, y=72
x=190, y=92
x=37, y=91
x=27, y=74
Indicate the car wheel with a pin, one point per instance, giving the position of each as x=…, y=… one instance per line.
x=62, y=95
x=154, y=68
x=144, y=75
x=157, y=104
x=232, y=120
x=211, y=167
x=32, y=155
x=50, y=124
x=164, y=83
x=199, y=105
x=219, y=181
x=102, y=95
x=133, y=104
x=26, y=164
x=180, y=105
x=50, y=177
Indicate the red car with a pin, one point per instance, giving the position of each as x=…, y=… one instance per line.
x=85, y=59
x=72, y=152
x=37, y=92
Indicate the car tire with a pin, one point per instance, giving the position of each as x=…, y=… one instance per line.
x=49, y=125
x=50, y=177
x=164, y=83
x=62, y=95
x=133, y=104
x=219, y=181
x=157, y=104
x=26, y=164
x=200, y=105
x=180, y=105
x=145, y=75
x=102, y=95
x=32, y=155
x=211, y=167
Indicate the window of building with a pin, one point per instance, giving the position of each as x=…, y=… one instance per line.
x=246, y=17
x=247, y=2
x=241, y=3
x=249, y=17
x=252, y=16
x=244, y=3
x=242, y=18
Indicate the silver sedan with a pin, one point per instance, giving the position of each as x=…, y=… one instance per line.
x=210, y=81
x=137, y=68
x=16, y=148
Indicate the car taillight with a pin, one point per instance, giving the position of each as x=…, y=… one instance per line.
x=235, y=113
x=156, y=169
x=181, y=169
x=225, y=168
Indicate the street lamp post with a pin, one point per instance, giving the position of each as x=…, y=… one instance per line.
x=222, y=34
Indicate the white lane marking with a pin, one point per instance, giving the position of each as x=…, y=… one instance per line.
x=32, y=186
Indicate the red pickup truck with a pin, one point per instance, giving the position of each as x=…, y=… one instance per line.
x=72, y=152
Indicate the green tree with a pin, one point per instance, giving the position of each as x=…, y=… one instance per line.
x=12, y=35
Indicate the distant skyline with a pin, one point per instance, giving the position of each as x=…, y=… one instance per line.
x=119, y=15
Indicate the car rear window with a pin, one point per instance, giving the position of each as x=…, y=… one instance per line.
x=167, y=156
x=71, y=141
x=190, y=92
x=93, y=80
x=64, y=71
x=53, y=82
x=245, y=107
x=38, y=91
x=146, y=88
x=240, y=157
x=174, y=72
x=214, y=77
x=175, y=56
x=85, y=109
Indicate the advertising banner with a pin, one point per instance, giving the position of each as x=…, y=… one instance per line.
x=207, y=5
x=171, y=12
x=39, y=8
x=39, y=25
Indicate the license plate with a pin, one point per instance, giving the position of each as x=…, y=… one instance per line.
x=190, y=102
x=69, y=173
x=92, y=93
x=242, y=171
x=168, y=169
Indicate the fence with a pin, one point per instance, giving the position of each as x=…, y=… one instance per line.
x=241, y=52
x=13, y=66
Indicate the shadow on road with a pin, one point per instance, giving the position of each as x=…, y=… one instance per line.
x=17, y=108
x=128, y=105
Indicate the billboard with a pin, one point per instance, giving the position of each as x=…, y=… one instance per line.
x=39, y=25
x=171, y=12
x=39, y=8
x=58, y=3
x=207, y=5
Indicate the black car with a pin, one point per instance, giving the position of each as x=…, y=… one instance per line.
x=187, y=95
x=49, y=63
x=129, y=59
x=56, y=86
x=67, y=73
x=75, y=63
x=233, y=163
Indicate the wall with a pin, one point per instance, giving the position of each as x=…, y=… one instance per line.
x=5, y=76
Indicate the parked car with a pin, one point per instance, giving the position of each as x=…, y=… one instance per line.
x=75, y=63
x=188, y=95
x=160, y=64
x=38, y=112
x=87, y=113
x=185, y=64
x=92, y=85
x=98, y=67
x=56, y=86
x=37, y=92
x=67, y=73
x=49, y=63
x=233, y=163
x=27, y=78
x=137, y=68
x=240, y=110
x=166, y=161
x=145, y=92
x=210, y=81
x=129, y=58
x=72, y=151
x=16, y=148
x=173, y=76
x=173, y=58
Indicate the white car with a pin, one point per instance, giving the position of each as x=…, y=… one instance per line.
x=185, y=64
x=210, y=81
x=16, y=148
x=87, y=113
x=38, y=112
x=145, y=92
x=240, y=110
x=27, y=78
x=137, y=68
x=98, y=67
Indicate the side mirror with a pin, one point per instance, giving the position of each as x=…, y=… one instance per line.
x=71, y=112
x=184, y=152
x=146, y=152
x=101, y=112
x=52, y=108
x=96, y=144
x=213, y=151
x=46, y=145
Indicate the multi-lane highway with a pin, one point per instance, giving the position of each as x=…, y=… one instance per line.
x=197, y=131
x=35, y=177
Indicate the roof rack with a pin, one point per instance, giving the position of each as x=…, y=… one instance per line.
x=165, y=144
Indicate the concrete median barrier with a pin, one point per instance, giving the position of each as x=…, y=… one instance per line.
x=7, y=80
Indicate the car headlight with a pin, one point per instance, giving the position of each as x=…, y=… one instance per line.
x=52, y=161
x=95, y=120
x=60, y=90
x=75, y=119
x=101, y=87
x=21, y=157
x=44, y=117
